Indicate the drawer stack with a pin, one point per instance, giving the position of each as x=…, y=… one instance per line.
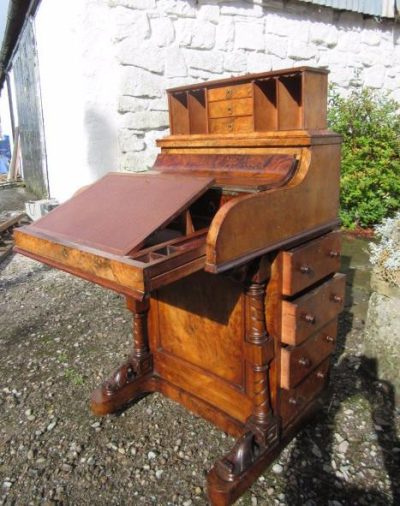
x=230, y=109
x=312, y=296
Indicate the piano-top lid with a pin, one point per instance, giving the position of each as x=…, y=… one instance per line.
x=117, y=213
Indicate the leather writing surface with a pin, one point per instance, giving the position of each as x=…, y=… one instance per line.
x=118, y=212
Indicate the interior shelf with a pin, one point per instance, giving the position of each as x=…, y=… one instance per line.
x=197, y=111
x=265, y=105
x=179, y=113
x=289, y=102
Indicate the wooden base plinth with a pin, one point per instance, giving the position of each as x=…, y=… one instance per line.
x=129, y=383
x=224, y=489
x=234, y=473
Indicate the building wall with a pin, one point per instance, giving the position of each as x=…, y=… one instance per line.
x=79, y=89
x=166, y=43
x=105, y=66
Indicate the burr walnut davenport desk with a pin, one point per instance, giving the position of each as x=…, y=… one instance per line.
x=227, y=253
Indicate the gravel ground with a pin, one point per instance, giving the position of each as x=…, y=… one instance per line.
x=61, y=336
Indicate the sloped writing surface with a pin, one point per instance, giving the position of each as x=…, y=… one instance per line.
x=118, y=212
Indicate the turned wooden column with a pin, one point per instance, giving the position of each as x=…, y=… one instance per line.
x=256, y=334
x=260, y=355
x=133, y=378
x=140, y=311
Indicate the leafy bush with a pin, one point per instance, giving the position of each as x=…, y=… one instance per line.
x=370, y=182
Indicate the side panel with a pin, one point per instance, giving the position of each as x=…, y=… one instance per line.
x=197, y=336
x=245, y=228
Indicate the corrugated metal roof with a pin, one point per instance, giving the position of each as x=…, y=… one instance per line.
x=381, y=8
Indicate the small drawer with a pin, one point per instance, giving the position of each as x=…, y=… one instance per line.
x=231, y=125
x=310, y=312
x=293, y=401
x=227, y=108
x=309, y=263
x=298, y=361
x=234, y=91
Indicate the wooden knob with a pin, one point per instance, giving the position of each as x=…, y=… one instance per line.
x=305, y=269
x=230, y=126
x=336, y=298
x=330, y=339
x=304, y=361
x=309, y=318
x=229, y=110
x=228, y=92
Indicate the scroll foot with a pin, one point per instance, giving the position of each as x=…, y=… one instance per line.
x=128, y=383
x=237, y=470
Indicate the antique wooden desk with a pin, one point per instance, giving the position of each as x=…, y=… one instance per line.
x=227, y=254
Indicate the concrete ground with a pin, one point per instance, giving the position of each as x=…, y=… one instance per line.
x=60, y=336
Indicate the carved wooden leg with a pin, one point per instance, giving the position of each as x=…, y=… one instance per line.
x=132, y=380
x=258, y=446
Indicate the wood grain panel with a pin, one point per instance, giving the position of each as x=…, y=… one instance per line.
x=231, y=125
x=200, y=320
x=244, y=170
x=307, y=264
x=227, y=108
x=231, y=91
x=294, y=401
x=298, y=361
x=245, y=228
x=308, y=313
x=205, y=386
x=100, y=266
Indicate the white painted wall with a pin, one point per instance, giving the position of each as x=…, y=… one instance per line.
x=79, y=91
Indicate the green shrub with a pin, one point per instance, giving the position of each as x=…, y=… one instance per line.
x=370, y=180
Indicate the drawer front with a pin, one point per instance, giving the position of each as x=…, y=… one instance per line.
x=235, y=91
x=226, y=108
x=307, y=314
x=231, y=125
x=309, y=263
x=293, y=401
x=298, y=361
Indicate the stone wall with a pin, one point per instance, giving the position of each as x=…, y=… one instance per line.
x=166, y=43
x=382, y=331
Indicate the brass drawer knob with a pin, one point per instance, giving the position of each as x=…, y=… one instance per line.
x=228, y=92
x=229, y=109
x=334, y=254
x=336, y=298
x=305, y=362
x=305, y=269
x=230, y=126
x=329, y=338
x=309, y=318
